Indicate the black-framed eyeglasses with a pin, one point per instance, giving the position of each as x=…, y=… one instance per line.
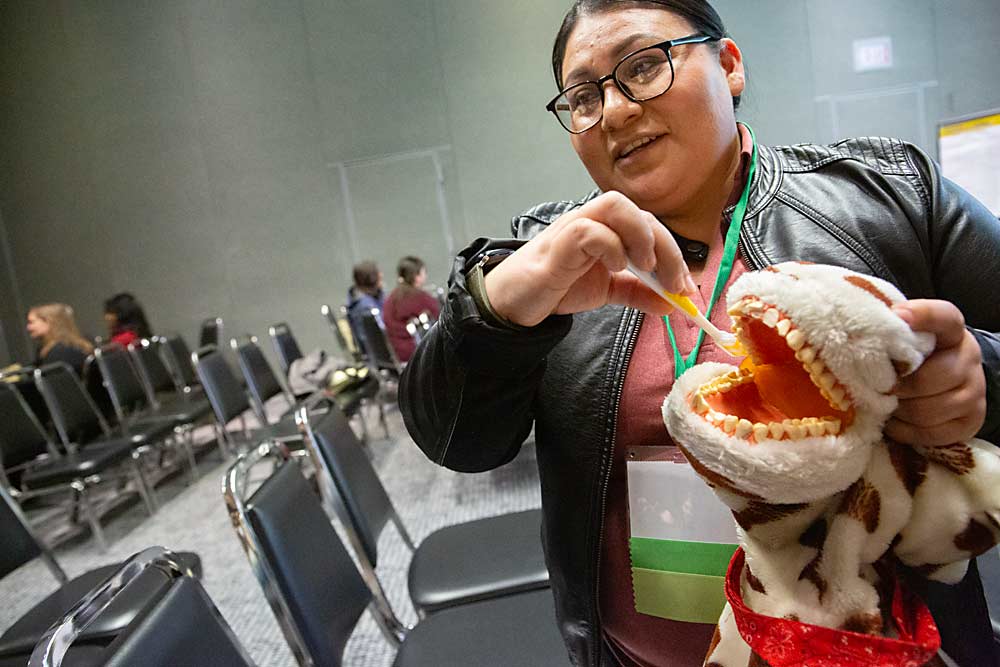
x=641, y=75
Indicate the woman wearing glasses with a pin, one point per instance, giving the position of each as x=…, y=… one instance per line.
x=548, y=329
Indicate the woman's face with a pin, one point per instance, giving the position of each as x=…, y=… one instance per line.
x=111, y=320
x=692, y=125
x=38, y=328
x=421, y=277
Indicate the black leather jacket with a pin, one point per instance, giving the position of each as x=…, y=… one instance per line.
x=472, y=392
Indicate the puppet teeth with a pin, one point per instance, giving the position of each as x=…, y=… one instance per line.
x=776, y=429
x=806, y=355
x=832, y=426
x=796, y=339
x=784, y=326
x=760, y=431
x=729, y=423
x=699, y=404
x=827, y=380
x=815, y=427
x=771, y=317
x=795, y=429
x=743, y=428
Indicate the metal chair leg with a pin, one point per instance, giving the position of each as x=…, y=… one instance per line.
x=185, y=438
x=144, y=488
x=90, y=514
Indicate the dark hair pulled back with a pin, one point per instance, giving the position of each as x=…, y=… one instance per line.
x=699, y=13
x=129, y=314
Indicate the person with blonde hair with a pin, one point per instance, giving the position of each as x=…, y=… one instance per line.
x=53, y=327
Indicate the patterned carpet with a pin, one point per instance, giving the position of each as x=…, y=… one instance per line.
x=192, y=517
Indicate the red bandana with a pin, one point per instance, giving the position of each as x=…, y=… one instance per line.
x=785, y=643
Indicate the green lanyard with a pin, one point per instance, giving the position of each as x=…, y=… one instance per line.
x=725, y=268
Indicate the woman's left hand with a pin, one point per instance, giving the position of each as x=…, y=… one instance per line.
x=943, y=401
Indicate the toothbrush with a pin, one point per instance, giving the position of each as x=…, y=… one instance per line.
x=727, y=341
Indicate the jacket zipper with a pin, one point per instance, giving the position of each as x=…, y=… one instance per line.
x=633, y=337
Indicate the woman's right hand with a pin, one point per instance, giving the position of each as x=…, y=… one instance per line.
x=579, y=263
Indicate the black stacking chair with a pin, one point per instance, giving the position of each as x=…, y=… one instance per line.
x=229, y=402
x=454, y=565
x=378, y=350
x=177, y=355
x=137, y=409
x=261, y=380
x=81, y=427
x=45, y=470
x=93, y=382
x=285, y=345
x=318, y=595
x=341, y=328
x=165, y=392
x=211, y=332
x=20, y=545
x=418, y=327
x=176, y=625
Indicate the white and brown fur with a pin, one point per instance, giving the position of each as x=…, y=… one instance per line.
x=815, y=514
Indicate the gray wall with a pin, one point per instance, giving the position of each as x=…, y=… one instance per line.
x=236, y=158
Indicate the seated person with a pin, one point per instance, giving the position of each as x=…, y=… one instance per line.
x=52, y=326
x=126, y=319
x=405, y=302
x=365, y=294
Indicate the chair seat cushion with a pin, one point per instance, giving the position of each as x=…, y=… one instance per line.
x=22, y=636
x=88, y=461
x=145, y=431
x=504, y=632
x=183, y=410
x=479, y=559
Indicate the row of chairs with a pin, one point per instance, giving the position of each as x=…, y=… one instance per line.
x=148, y=430
x=480, y=588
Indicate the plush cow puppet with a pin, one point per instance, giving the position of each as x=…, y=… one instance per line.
x=792, y=442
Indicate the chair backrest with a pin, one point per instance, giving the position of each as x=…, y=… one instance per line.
x=221, y=386
x=22, y=437
x=308, y=577
x=93, y=384
x=376, y=343
x=261, y=380
x=20, y=544
x=177, y=354
x=179, y=624
x=340, y=325
x=128, y=394
x=77, y=419
x=146, y=354
x=285, y=345
x=339, y=455
x=211, y=332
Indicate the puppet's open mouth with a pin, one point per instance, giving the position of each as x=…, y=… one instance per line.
x=783, y=391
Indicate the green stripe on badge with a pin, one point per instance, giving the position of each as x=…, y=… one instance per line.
x=705, y=558
x=693, y=598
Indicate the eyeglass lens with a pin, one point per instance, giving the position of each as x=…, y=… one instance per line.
x=641, y=76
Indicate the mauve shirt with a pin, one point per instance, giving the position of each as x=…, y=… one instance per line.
x=640, y=640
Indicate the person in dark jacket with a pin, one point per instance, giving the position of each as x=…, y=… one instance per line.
x=547, y=330
x=407, y=301
x=54, y=329
x=364, y=295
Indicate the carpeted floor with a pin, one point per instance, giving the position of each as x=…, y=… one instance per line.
x=192, y=517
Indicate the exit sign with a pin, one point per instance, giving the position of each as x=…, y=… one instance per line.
x=872, y=54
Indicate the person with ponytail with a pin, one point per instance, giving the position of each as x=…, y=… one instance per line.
x=407, y=301
x=54, y=330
